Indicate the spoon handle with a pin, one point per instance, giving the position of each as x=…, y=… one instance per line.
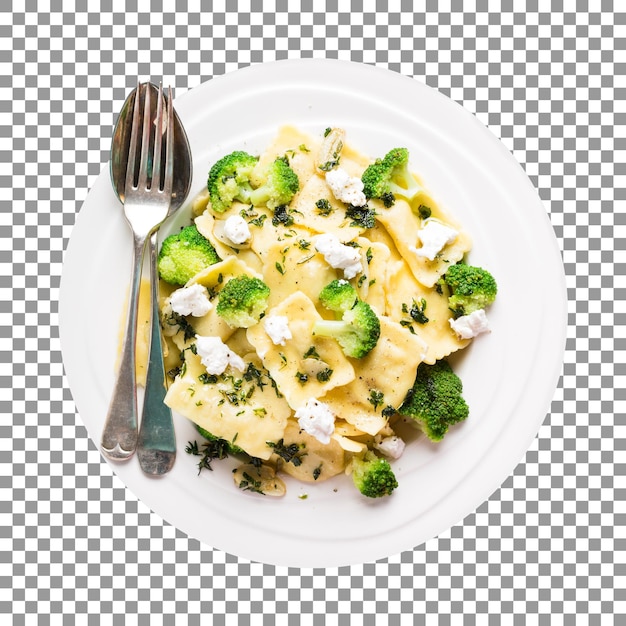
x=119, y=436
x=156, y=448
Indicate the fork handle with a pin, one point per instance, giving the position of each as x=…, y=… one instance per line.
x=156, y=449
x=119, y=436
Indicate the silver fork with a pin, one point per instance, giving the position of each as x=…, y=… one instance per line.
x=146, y=202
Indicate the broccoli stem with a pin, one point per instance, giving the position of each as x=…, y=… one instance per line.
x=258, y=197
x=411, y=189
x=331, y=328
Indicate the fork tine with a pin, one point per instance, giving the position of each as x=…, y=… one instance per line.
x=142, y=183
x=158, y=133
x=168, y=180
x=132, y=149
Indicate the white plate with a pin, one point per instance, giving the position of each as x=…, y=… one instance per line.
x=509, y=375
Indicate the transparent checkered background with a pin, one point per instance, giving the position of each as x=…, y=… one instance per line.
x=547, y=546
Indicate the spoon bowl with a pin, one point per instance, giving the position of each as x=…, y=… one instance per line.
x=120, y=150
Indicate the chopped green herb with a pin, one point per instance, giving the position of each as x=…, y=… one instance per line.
x=213, y=449
x=317, y=472
x=280, y=268
x=275, y=387
x=361, y=216
x=324, y=207
x=231, y=396
x=248, y=213
x=281, y=216
x=248, y=483
x=212, y=292
x=302, y=378
x=172, y=373
x=376, y=398
x=388, y=199
x=174, y=319
x=324, y=375
x=311, y=353
x=388, y=411
x=329, y=165
x=253, y=373
x=417, y=311
x=258, y=221
x=290, y=453
x=408, y=324
x=207, y=379
x=424, y=211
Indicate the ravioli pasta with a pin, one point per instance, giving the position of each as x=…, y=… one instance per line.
x=258, y=412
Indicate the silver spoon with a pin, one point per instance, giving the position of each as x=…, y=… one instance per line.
x=156, y=447
x=156, y=441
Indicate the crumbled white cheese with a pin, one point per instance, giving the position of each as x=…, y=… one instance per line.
x=192, y=300
x=472, y=325
x=277, y=329
x=346, y=188
x=434, y=236
x=339, y=256
x=392, y=446
x=216, y=356
x=316, y=419
x=236, y=229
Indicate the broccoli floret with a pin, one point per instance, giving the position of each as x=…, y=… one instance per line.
x=435, y=401
x=471, y=288
x=338, y=296
x=229, y=180
x=242, y=301
x=229, y=447
x=373, y=476
x=184, y=254
x=357, y=331
x=389, y=177
x=280, y=186
x=231, y=177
